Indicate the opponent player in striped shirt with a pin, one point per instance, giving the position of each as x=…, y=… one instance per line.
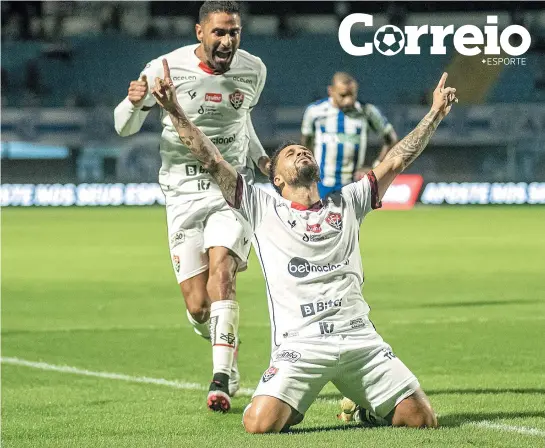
x=336, y=129
x=321, y=331
x=218, y=85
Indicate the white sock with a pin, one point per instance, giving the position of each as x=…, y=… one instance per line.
x=223, y=334
x=203, y=329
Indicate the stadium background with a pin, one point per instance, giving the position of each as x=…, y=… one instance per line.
x=457, y=291
x=65, y=65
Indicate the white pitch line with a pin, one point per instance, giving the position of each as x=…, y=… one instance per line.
x=196, y=386
x=508, y=428
x=113, y=376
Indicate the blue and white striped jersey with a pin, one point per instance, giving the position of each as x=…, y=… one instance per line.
x=340, y=139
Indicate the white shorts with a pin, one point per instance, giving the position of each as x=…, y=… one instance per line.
x=196, y=225
x=361, y=365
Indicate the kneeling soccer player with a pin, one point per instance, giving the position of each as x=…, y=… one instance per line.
x=309, y=252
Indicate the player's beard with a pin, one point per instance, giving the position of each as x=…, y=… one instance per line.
x=218, y=66
x=306, y=174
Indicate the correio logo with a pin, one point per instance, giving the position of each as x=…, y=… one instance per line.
x=223, y=140
x=390, y=40
x=299, y=267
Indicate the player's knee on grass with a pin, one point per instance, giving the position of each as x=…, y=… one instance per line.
x=415, y=411
x=266, y=416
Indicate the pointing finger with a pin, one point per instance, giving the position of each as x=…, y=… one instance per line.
x=442, y=80
x=166, y=69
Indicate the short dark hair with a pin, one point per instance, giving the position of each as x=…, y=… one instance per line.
x=274, y=162
x=211, y=6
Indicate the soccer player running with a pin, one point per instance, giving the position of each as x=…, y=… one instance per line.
x=218, y=85
x=309, y=252
x=336, y=129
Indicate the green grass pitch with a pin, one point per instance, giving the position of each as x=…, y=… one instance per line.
x=458, y=292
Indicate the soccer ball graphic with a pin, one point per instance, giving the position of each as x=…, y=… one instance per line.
x=389, y=40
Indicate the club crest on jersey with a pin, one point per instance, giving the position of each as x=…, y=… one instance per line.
x=269, y=373
x=176, y=262
x=236, y=98
x=335, y=220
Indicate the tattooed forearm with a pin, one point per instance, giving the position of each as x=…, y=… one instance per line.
x=206, y=152
x=408, y=149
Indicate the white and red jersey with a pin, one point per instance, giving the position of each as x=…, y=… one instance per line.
x=219, y=105
x=311, y=258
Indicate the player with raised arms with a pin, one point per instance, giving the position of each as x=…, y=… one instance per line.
x=321, y=330
x=218, y=85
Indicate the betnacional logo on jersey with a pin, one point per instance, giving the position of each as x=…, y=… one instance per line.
x=214, y=97
x=176, y=262
x=269, y=373
x=314, y=228
x=310, y=309
x=335, y=220
x=236, y=98
x=299, y=267
x=221, y=140
x=287, y=355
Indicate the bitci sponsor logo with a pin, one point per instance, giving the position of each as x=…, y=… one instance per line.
x=310, y=309
x=468, y=40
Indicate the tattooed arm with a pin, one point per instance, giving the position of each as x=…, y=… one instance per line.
x=191, y=136
x=407, y=150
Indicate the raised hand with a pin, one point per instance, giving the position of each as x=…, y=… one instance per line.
x=138, y=90
x=443, y=97
x=164, y=91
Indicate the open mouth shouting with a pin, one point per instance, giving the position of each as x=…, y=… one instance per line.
x=222, y=57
